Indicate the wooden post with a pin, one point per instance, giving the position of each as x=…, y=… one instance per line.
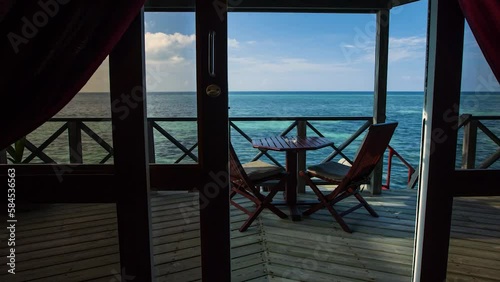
x=75, y=142
x=213, y=138
x=301, y=156
x=437, y=158
x=3, y=156
x=151, y=140
x=380, y=98
x=128, y=90
x=469, y=143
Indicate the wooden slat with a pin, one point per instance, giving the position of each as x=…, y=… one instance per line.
x=285, y=143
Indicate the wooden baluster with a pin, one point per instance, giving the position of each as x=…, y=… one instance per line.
x=151, y=141
x=75, y=142
x=301, y=157
x=469, y=144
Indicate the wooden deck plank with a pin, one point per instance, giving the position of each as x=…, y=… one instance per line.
x=256, y=271
x=181, y=265
x=78, y=242
x=279, y=271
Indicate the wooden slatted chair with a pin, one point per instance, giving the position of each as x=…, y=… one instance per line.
x=349, y=178
x=245, y=180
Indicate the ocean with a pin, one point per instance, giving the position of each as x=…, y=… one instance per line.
x=403, y=107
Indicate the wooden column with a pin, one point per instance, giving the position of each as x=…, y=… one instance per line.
x=128, y=94
x=301, y=157
x=380, y=98
x=437, y=181
x=213, y=138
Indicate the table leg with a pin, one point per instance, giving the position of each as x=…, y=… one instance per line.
x=291, y=185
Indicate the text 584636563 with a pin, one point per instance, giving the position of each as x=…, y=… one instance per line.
x=11, y=221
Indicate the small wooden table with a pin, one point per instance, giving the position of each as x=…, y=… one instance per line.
x=291, y=145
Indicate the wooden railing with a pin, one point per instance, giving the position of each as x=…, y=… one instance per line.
x=76, y=128
x=412, y=173
x=471, y=124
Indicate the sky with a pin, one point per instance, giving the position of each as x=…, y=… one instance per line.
x=299, y=52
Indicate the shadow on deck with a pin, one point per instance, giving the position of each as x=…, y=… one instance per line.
x=77, y=242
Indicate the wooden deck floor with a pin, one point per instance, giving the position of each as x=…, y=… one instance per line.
x=78, y=243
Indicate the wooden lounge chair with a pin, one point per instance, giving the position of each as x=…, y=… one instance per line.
x=245, y=180
x=349, y=178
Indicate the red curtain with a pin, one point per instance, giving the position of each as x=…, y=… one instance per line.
x=483, y=17
x=48, y=51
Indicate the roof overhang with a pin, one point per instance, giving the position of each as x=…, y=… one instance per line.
x=325, y=6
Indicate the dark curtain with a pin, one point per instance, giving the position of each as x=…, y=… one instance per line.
x=48, y=51
x=483, y=17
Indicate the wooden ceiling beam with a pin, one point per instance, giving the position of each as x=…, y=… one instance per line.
x=338, y=6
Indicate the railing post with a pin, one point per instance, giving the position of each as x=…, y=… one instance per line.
x=75, y=142
x=469, y=143
x=301, y=157
x=151, y=141
x=3, y=156
x=389, y=169
x=380, y=99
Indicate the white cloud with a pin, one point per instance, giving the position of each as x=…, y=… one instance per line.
x=412, y=47
x=158, y=41
x=233, y=43
x=293, y=73
x=176, y=59
x=170, y=61
x=149, y=24
x=284, y=65
x=400, y=48
x=348, y=46
x=407, y=41
x=162, y=46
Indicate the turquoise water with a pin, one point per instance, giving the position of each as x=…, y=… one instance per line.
x=403, y=107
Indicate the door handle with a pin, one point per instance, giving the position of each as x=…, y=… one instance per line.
x=213, y=90
x=211, y=53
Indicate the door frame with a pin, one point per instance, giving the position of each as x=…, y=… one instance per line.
x=440, y=181
x=213, y=139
